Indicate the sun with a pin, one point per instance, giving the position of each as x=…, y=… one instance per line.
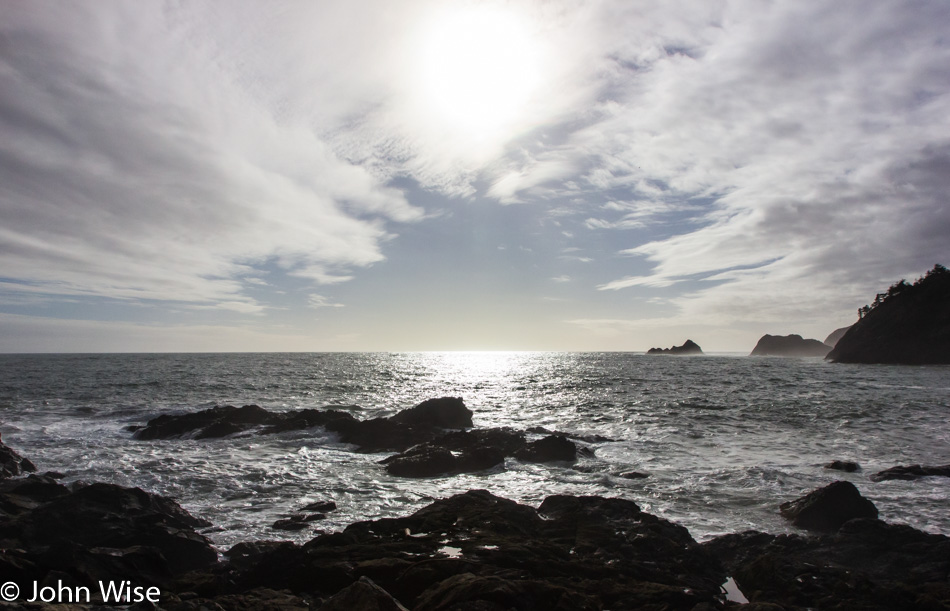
x=478, y=68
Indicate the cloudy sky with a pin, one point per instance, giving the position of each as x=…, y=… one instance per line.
x=432, y=175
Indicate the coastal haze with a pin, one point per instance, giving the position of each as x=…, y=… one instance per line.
x=463, y=176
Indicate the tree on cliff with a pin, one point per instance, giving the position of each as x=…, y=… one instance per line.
x=908, y=324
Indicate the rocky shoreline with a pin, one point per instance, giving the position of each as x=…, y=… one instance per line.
x=472, y=551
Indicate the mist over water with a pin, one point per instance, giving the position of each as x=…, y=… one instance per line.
x=723, y=439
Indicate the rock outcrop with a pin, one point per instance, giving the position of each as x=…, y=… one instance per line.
x=828, y=508
x=789, y=345
x=396, y=433
x=910, y=472
x=477, y=450
x=479, y=551
x=848, y=466
x=867, y=564
x=909, y=324
x=688, y=348
x=98, y=532
x=12, y=464
x=423, y=436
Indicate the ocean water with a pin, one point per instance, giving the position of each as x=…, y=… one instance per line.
x=723, y=438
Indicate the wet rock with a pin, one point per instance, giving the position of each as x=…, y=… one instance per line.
x=445, y=412
x=867, y=565
x=246, y=554
x=479, y=551
x=430, y=461
x=540, y=430
x=396, y=433
x=476, y=450
x=259, y=599
x=22, y=494
x=826, y=509
x=291, y=523
x=633, y=475
x=364, y=595
x=552, y=448
x=468, y=591
x=206, y=424
x=911, y=472
x=12, y=464
x=103, y=531
x=843, y=465
x=320, y=506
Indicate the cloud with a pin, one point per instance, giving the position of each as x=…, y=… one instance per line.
x=319, y=301
x=136, y=163
x=801, y=149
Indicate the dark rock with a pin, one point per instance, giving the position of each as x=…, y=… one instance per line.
x=396, y=433
x=826, y=509
x=633, y=475
x=867, y=565
x=789, y=345
x=12, y=464
x=548, y=449
x=540, y=430
x=468, y=591
x=446, y=413
x=23, y=494
x=246, y=554
x=103, y=531
x=432, y=461
x=843, y=465
x=911, y=472
x=909, y=324
x=321, y=506
x=258, y=599
x=477, y=450
x=479, y=551
x=362, y=594
x=689, y=347
x=291, y=523
x=217, y=421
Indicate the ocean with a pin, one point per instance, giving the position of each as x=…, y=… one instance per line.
x=722, y=439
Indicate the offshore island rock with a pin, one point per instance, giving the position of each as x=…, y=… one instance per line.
x=689, y=347
x=789, y=345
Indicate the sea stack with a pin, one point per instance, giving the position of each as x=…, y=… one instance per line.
x=789, y=345
x=690, y=347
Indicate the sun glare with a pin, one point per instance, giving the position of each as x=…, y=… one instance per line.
x=478, y=69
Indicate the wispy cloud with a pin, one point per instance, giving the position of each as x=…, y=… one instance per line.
x=319, y=301
x=136, y=164
x=816, y=134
